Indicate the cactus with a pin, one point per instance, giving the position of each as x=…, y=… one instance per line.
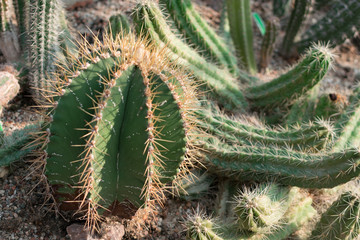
x=4, y=16
x=258, y=162
x=267, y=46
x=336, y=26
x=195, y=184
x=239, y=14
x=315, y=135
x=16, y=145
x=341, y=220
x=301, y=78
x=22, y=12
x=44, y=25
x=218, y=82
x=297, y=17
x=199, y=34
x=119, y=24
x=261, y=209
x=201, y=227
x=120, y=128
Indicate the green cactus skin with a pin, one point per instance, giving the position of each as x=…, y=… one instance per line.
x=224, y=29
x=16, y=145
x=297, y=17
x=317, y=135
x=4, y=16
x=347, y=127
x=108, y=143
x=280, y=7
x=261, y=209
x=217, y=82
x=44, y=45
x=260, y=163
x=267, y=46
x=22, y=12
x=239, y=14
x=294, y=83
x=199, y=34
x=314, y=107
x=66, y=38
x=336, y=26
x=341, y=220
x=119, y=24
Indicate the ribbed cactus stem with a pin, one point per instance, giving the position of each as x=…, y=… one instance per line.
x=219, y=83
x=199, y=34
x=296, y=82
x=336, y=26
x=341, y=220
x=120, y=129
x=17, y=145
x=267, y=46
x=258, y=163
x=315, y=135
x=119, y=24
x=22, y=12
x=44, y=45
x=347, y=126
x=261, y=209
x=239, y=13
x=4, y=16
x=297, y=17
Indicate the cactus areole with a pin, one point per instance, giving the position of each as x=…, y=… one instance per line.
x=120, y=128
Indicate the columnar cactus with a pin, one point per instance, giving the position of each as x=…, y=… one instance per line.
x=267, y=46
x=120, y=128
x=239, y=13
x=341, y=220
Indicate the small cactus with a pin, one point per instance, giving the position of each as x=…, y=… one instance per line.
x=267, y=46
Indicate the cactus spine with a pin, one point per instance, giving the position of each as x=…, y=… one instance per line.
x=301, y=78
x=120, y=129
x=341, y=220
x=239, y=14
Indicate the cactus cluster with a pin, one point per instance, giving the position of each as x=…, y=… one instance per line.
x=124, y=119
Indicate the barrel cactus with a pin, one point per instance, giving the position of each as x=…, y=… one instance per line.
x=119, y=128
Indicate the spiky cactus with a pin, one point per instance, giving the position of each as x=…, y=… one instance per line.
x=341, y=220
x=267, y=46
x=239, y=13
x=120, y=128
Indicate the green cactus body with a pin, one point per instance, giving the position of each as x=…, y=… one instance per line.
x=22, y=12
x=120, y=128
x=239, y=14
x=16, y=145
x=4, y=16
x=44, y=44
x=347, y=126
x=297, y=17
x=224, y=29
x=316, y=135
x=267, y=46
x=199, y=34
x=195, y=185
x=119, y=24
x=219, y=83
x=341, y=220
x=260, y=210
x=294, y=83
x=336, y=26
x=260, y=163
